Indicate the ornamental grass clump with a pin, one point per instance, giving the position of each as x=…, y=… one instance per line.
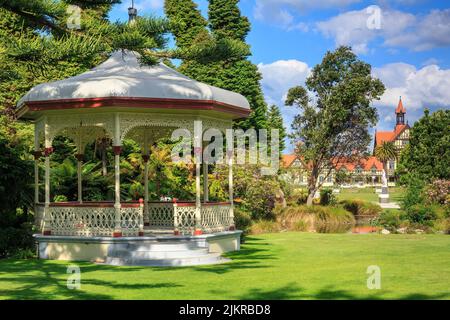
x=323, y=219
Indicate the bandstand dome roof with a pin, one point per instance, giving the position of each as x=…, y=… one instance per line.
x=121, y=81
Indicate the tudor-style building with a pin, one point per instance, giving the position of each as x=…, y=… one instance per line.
x=400, y=137
x=366, y=171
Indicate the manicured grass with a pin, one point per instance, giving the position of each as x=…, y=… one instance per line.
x=368, y=194
x=271, y=266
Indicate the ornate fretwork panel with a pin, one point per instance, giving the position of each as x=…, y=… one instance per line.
x=130, y=220
x=216, y=218
x=161, y=215
x=82, y=221
x=84, y=135
x=185, y=219
x=129, y=121
x=149, y=135
x=93, y=221
x=60, y=124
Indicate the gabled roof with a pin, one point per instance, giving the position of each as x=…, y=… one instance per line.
x=383, y=136
x=287, y=160
x=389, y=136
x=400, y=108
x=371, y=162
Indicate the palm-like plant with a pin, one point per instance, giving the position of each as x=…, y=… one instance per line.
x=385, y=152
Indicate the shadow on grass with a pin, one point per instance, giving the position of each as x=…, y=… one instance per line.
x=49, y=280
x=254, y=254
x=293, y=292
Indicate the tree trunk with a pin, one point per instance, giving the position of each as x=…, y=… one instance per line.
x=310, y=199
x=312, y=186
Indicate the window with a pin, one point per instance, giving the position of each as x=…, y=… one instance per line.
x=391, y=165
x=321, y=179
x=330, y=178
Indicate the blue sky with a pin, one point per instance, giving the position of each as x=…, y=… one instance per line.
x=407, y=42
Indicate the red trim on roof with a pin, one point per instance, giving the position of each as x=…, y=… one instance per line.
x=133, y=102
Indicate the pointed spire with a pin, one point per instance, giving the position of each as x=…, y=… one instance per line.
x=400, y=108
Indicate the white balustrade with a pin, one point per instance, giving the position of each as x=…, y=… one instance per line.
x=98, y=218
x=216, y=218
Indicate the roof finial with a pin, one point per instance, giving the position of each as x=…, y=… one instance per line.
x=132, y=12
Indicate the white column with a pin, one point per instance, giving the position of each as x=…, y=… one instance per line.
x=36, y=177
x=230, y=188
x=198, y=131
x=79, y=157
x=47, y=152
x=146, y=157
x=205, y=183
x=146, y=198
x=37, y=154
x=117, y=148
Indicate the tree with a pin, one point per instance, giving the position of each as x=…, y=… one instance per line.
x=232, y=73
x=333, y=127
x=385, y=152
x=226, y=21
x=427, y=156
x=186, y=21
x=275, y=121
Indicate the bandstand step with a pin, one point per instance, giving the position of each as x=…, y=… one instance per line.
x=159, y=254
x=164, y=253
x=178, y=246
x=209, y=258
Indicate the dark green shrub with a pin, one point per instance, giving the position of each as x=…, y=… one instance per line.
x=60, y=198
x=242, y=220
x=414, y=193
x=392, y=219
x=13, y=240
x=421, y=214
x=327, y=197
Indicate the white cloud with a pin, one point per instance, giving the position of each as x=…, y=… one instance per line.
x=280, y=76
x=281, y=12
x=419, y=88
x=397, y=28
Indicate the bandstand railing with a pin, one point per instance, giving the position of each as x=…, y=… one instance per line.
x=90, y=219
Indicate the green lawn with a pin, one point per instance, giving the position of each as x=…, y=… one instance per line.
x=271, y=266
x=368, y=194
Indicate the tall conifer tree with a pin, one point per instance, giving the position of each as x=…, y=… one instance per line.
x=235, y=74
x=275, y=121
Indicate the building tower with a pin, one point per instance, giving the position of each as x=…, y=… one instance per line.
x=400, y=113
